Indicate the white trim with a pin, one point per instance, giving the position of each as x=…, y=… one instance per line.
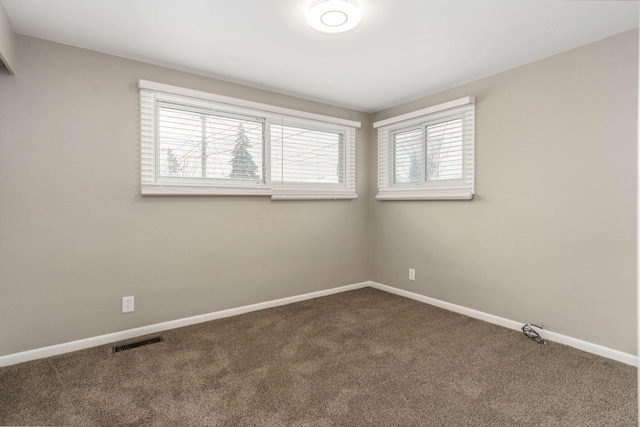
x=39, y=353
x=183, y=190
x=314, y=196
x=175, y=90
x=609, y=353
x=420, y=194
x=310, y=193
x=429, y=110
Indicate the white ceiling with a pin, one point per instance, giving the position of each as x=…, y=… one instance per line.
x=402, y=50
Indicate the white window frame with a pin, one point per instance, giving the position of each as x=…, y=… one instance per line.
x=463, y=189
x=152, y=184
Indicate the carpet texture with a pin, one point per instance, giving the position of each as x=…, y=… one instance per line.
x=359, y=358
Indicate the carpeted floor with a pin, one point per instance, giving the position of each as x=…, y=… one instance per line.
x=360, y=358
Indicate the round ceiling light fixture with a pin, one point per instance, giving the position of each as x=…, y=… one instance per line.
x=334, y=16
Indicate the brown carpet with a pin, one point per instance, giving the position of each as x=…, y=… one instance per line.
x=360, y=358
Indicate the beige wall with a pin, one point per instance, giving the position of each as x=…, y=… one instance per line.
x=550, y=236
x=76, y=236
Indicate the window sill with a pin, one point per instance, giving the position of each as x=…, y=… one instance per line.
x=293, y=195
x=425, y=195
x=274, y=193
x=196, y=190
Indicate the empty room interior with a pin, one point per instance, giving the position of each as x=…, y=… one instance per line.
x=329, y=212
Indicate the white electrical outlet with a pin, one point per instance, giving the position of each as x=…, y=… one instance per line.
x=412, y=274
x=127, y=304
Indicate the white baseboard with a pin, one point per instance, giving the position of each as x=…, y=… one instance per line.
x=39, y=353
x=619, y=356
x=54, y=350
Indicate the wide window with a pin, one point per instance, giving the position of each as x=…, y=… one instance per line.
x=428, y=154
x=199, y=143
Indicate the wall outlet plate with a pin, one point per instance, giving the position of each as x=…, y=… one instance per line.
x=412, y=274
x=127, y=304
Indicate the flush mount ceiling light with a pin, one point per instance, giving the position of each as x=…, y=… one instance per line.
x=334, y=16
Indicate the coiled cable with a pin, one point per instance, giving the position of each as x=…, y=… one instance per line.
x=532, y=333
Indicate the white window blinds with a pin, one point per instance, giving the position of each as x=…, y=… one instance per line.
x=191, y=143
x=305, y=155
x=428, y=154
x=201, y=145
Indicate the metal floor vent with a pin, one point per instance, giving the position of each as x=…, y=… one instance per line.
x=131, y=345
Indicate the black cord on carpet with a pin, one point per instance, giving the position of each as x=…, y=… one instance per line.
x=532, y=333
